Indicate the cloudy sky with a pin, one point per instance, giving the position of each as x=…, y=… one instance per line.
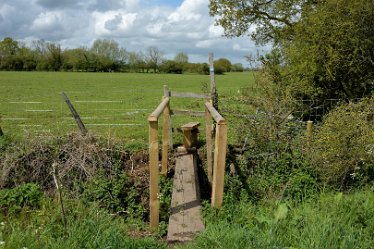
x=171, y=25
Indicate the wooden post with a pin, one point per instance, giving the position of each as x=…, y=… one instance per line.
x=213, y=89
x=154, y=174
x=209, y=151
x=309, y=132
x=309, y=128
x=167, y=95
x=75, y=114
x=165, y=139
x=219, y=165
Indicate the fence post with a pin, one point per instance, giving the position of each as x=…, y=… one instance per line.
x=167, y=95
x=209, y=152
x=154, y=174
x=213, y=89
x=219, y=164
x=165, y=139
x=309, y=131
x=76, y=116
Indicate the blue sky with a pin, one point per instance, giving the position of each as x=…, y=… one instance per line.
x=172, y=3
x=173, y=26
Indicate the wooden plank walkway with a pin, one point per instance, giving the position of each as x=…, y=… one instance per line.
x=185, y=220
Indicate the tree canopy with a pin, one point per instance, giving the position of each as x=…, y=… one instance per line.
x=321, y=48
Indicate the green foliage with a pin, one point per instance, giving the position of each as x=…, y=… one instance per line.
x=237, y=67
x=23, y=196
x=331, y=51
x=5, y=141
x=88, y=227
x=222, y=65
x=343, y=148
x=273, y=19
x=324, y=48
x=170, y=66
x=285, y=177
x=325, y=222
x=116, y=193
x=166, y=190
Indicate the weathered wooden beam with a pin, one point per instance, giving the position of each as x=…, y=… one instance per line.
x=76, y=116
x=188, y=112
x=216, y=116
x=160, y=108
x=189, y=95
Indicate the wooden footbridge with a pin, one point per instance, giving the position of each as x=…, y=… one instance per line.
x=186, y=220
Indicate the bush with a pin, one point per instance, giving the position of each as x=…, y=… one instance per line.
x=343, y=148
x=117, y=193
x=13, y=200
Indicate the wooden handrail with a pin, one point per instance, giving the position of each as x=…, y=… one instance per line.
x=216, y=116
x=160, y=108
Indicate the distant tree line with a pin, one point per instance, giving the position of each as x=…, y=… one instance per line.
x=103, y=56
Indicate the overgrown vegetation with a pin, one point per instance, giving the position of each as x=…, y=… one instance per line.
x=327, y=221
x=343, y=148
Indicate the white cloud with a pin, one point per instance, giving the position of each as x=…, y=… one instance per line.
x=113, y=23
x=47, y=21
x=135, y=24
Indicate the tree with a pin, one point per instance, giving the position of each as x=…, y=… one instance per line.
x=331, y=55
x=8, y=47
x=154, y=58
x=322, y=49
x=273, y=19
x=237, y=67
x=8, y=51
x=137, y=62
x=181, y=58
x=222, y=65
x=171, y=66
x=55, y=59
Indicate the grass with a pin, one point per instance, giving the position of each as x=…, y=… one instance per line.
x=110, y=104
x=88, y=227
x=325, y=220
x=331, y=220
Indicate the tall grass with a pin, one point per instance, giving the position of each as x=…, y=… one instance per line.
x=88, y=227
x=329, y=221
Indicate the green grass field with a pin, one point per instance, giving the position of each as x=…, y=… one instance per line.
x=110, y=104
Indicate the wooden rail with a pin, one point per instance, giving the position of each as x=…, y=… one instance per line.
x=153, y=157
x=216, y=162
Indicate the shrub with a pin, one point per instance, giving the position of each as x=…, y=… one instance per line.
x=343, y=148
x=26, y=195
